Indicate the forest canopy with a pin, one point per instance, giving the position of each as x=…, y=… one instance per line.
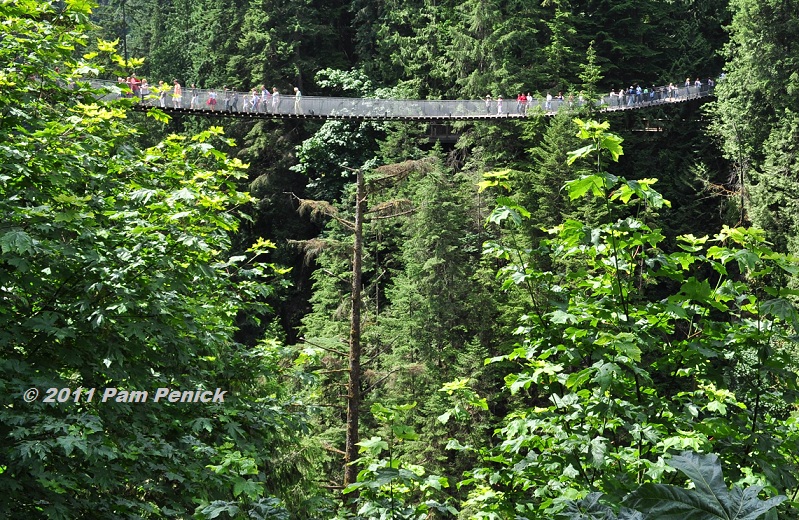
x=583, y=316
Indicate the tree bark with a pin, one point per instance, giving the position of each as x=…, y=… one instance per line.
x=354, y=385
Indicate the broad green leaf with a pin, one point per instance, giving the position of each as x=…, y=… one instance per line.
x=704, y=471
x=709, y=500
x=16, y=241
x=744, y=504
x=585, y=151
x=507, y=201
x=691, y=243
x=404, y=432
x=159, y=115
x=516, y=382
x=783, y=309
x=588, y=508
x=562, y=317
x=577, y=379
x=373, y=445
x=105, y=45
x=249, y=488
x=579, y=187
x=663, y=502
x=217, y=507
x=612, y=143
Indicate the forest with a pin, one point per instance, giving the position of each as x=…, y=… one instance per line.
x=587, y=315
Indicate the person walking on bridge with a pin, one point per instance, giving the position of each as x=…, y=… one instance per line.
x=162, y=94
x=135, y=85
x=275, y=100
x=145, y=90
x=227, y=99
x=177, y=95
x=265, y=99
x=254, y=100
x=297, y=101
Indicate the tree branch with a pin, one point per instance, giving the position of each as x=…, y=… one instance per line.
x=326, y=349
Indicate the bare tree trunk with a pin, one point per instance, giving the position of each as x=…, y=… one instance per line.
x=354, y=385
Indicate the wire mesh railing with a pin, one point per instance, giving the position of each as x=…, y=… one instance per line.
x=274, y=104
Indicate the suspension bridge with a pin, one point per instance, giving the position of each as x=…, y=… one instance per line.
x=230, y=103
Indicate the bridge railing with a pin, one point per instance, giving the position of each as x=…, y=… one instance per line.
x=229, y=101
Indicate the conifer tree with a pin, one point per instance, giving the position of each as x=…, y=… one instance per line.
x=757, y=114
x=357, y=347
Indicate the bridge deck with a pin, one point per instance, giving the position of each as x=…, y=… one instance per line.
x=238, y=104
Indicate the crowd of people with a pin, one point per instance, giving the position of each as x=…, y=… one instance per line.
x=526, y=102
x=636, y=95
x=261, y=100
x=631, y=96
x=164, y=95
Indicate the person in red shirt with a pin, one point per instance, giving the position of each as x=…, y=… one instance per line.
x=135, y=86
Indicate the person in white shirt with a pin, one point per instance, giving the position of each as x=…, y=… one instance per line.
x=265, y=98
x=275, y=100
x=297, y=101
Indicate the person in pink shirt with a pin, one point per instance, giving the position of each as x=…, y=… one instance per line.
x=135, y=85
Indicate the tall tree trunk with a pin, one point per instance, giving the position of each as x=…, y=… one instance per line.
x=354, y=385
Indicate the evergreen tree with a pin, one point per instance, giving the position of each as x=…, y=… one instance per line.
x=757, y=114
x=496, y=48
x=541, y=189
x=439, y=320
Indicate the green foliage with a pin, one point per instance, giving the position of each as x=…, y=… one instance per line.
x=471, y=48
x=329, y=156
x=562, y=45
x=436, y=323
x=708, y=500
x=627, y=352
x=236, y=43
x=757, y=115
x=591, y=75
x=541, y=189
x=623, y=352
x=286, y=42
x=264, y=509
x=392, y=489
x=116, y=272
x=590, y=508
